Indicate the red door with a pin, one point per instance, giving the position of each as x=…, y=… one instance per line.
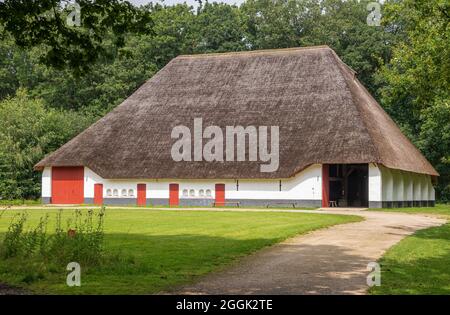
x=141, y=194
x=98, y=194
x=220, y=195
x=68, y=185
x=174, y=194
x=325, y=185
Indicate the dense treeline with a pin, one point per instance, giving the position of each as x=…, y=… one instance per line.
x=404, y=63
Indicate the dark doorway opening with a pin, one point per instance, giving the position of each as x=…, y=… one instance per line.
x=349, y=184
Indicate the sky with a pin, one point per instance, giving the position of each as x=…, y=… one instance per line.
x=190, y=2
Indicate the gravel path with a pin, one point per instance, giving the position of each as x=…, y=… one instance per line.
x=9, y=290
x=328, y=261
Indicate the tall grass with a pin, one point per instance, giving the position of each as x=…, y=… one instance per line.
x=80, y=239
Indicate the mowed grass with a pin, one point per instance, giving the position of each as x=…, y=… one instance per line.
x=161, y=249
x=438, y=209
x=419, y=264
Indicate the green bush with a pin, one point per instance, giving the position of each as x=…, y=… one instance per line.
x=13, y=241
x=84, y=245
x=28, y=131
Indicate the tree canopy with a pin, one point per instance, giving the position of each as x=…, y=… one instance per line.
x=72, y=34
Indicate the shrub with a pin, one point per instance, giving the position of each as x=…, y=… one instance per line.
x=85, y=246
x=13, y=242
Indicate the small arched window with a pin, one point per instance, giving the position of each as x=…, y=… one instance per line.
x=208, y=193
x=124, y=193
x=201, y=193
x=185, y=193
x=115, y=193
x=109, y=192
x=192, y=193
x=130, y=193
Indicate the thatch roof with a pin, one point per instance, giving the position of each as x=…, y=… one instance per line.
x=324, y=113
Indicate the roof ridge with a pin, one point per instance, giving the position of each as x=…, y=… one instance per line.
x=255, y=52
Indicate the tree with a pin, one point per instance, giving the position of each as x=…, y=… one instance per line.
x=219, y=28
x=43, y=23
x=174, y=33
x=96, y=91
x=275, y=24
x=29, y=131
x=416, y=81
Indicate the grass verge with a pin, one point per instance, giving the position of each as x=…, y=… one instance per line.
x=439, y=209
x=419, y=264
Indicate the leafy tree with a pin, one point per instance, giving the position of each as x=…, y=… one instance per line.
x=275, y=23
x=174, y=34
x=43, y=23
x=219, y=28
x=29, y=131
x=100, y=89
x=95, y=91
x=417, y=79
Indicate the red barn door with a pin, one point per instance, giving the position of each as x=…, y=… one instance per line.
x=325, y=185
x=98, y=194
x=141, y=194
x=220, y=195
x=68, y=185
x=174, y=194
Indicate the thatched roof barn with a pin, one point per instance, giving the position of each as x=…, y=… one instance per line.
x=324, y=114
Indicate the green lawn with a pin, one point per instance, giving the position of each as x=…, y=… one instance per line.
x=439, y=209
x=161, y=249
x=20, y=202
x=419, y=264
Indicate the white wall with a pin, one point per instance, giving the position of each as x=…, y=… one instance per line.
x=424, y=188
x=307, y=185
x=417, y=189
x=400, y=185
x=375, y=184
x=387, y=184
x=431, y=192
x=408, y=187
x=395, y=185
x=47, y=183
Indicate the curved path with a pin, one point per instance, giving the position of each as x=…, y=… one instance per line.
x=328, y=261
